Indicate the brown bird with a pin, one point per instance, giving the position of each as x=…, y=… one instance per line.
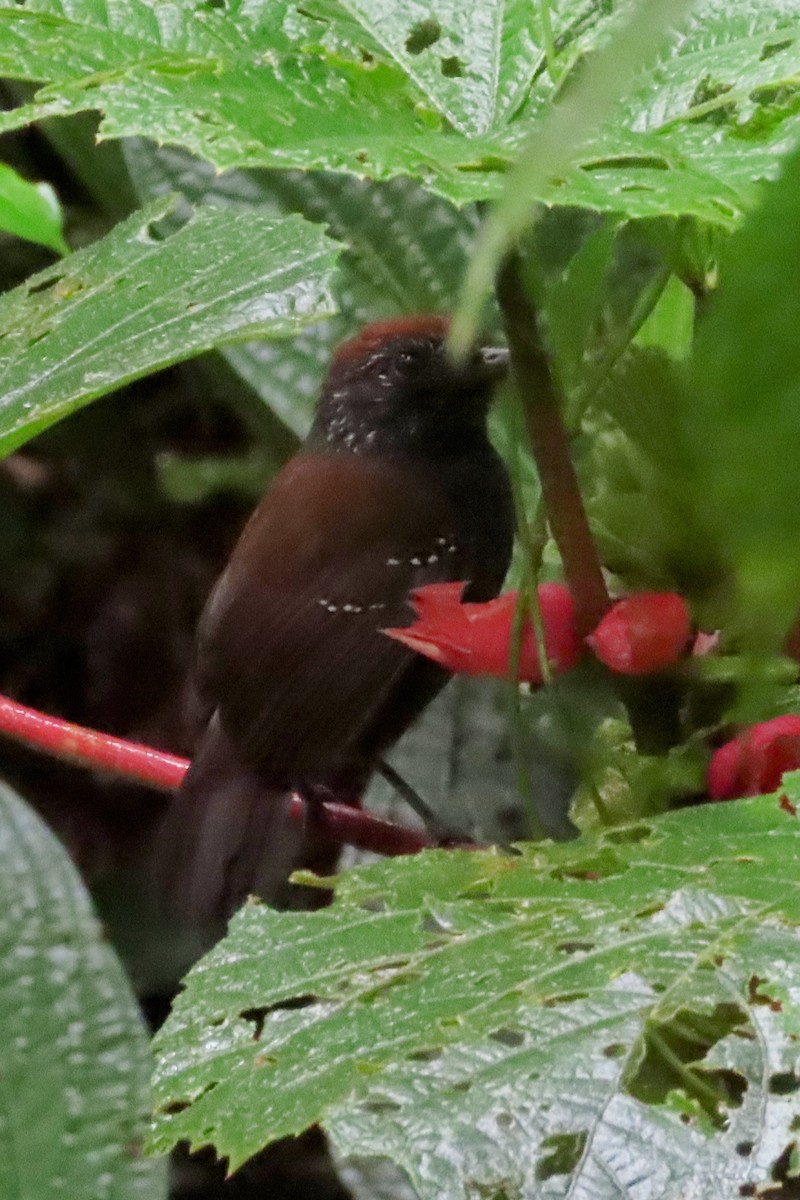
x=396, y=486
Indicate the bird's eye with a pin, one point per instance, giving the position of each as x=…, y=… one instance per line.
x=409, y=357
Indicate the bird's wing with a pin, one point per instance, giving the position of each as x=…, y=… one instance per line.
x=291, y=652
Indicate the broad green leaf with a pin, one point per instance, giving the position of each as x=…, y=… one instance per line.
x=74, y=1059
x=472, y=61
x=135, y=301
x=406, y=252
x=574, y=302
x=614, y=1016
x=742, y=416
x=553, y=145
x=446, y=94
x=30, y=210
x=648, y=513
x=670, y=326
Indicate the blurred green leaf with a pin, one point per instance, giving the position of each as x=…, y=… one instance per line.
x=136, y=301
x=670, y=326
x=622, y=1008
x=30, y=210
x=741, y=420
x=574, y=304
x=74, y=1058
x=645, y=395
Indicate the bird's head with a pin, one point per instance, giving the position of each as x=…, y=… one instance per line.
x=394, y=387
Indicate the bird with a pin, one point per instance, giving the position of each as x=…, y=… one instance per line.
x=396, y=486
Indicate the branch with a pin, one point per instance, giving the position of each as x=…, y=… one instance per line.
x=653, y=704
x=93, y=750
x=566, y=514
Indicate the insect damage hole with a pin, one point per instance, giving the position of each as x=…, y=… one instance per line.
x=422, y=35
x=452, y=67
x=674, y=1054
x=784, y=1083
x=770, y=49
x=513, y=1038
x=565, y=1150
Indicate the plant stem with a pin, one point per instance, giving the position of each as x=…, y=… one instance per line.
x=533, y=542
x=98, y=751
x=91, y=748
x=550, y=446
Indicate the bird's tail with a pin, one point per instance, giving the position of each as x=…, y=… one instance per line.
x=226, y=835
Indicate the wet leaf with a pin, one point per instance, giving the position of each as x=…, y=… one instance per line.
x=448, y=96
x=583, y=1014
x=74, y=1059
x=138, y=300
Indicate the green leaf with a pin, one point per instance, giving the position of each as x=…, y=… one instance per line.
x=575, y=303
x=648, y=521
x=741, y=421
x=30, y=210
x=135, y=301
x=406, y=251
x=622, y=1008
x=74, y=1059
x=670, y=326
x=446, y=95
x=553, y=145
x=471, y=61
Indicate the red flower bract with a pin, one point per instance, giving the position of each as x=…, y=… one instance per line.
x=754, y=762
x=474, y=639
x=643, y=633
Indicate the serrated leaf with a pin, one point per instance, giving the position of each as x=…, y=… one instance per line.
x=74, y=1059
x=135, y=301
x=489, y=1023
x=446, y=95
x=30, y=210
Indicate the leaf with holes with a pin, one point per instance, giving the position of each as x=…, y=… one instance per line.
x=74, y=1060
x=446, y=95
x=135, y=301
x=573, y=1021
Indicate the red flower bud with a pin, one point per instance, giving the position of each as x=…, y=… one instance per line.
x=643, y=633
x=474, y=639
x=754, y=762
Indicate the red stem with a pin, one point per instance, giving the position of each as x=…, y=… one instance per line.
x=143, y=764
x=566, y=514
